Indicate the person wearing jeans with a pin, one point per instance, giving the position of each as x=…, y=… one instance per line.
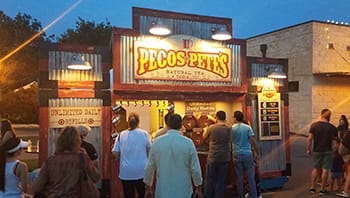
x=218, y=136
x=243, y=140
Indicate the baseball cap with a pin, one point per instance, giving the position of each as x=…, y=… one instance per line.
x=14, y=144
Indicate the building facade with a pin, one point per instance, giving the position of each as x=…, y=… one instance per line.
x=318, y=56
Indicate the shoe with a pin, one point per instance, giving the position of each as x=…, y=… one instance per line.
x=323, y=192
x=312, y=191
x=342, y=194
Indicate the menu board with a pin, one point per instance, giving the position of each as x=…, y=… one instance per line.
x=269, y=116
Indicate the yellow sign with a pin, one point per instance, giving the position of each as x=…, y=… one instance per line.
x=60, y=117
x=182, y=57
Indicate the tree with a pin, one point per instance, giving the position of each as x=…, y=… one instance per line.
x=20, y=40
x=21, y=105
x=22, y=67
x=88, y=33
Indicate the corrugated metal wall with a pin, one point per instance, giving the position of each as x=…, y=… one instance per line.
x=127, y=66
x=59, y=60
x=193, y=28
x=272, y=152
x=95, y=137
x=260, y=71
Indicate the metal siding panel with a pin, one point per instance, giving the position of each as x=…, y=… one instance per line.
x=259, y=72
x=272, y=152
x=58, y=61
x=179, y=26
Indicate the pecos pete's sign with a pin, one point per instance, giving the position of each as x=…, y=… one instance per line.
x=182, y=57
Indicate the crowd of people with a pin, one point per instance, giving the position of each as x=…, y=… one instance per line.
x=167, y=166
x=329, y=147
x=61, y=175
x=170, y=165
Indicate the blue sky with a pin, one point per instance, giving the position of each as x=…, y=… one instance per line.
x=249, y=17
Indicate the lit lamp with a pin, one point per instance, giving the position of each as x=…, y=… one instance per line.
x=276, y=74
x=78, y=63
x=159, y=29
x=220, y=34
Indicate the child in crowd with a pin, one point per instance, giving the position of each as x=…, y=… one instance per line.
x=337, y=171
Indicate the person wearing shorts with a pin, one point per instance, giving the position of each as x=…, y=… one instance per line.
x=321, y=134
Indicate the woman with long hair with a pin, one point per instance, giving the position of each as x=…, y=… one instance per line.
x=132, y=147
x=60, y=175
x=13, y=172
x=343, y=126
x=7, y=130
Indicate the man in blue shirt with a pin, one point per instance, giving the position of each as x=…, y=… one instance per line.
x=243, y=140
x=174, y=159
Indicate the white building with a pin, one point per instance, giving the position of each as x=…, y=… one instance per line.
x=318, y=69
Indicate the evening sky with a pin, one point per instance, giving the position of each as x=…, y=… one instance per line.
x=249, y=17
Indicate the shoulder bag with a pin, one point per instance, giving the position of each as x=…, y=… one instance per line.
x=88, y=187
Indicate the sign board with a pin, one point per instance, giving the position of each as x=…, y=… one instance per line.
x=269, y=112
x=200, y=108
x=60, y=117
x=182, y=57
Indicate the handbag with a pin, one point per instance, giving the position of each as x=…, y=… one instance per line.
x=88, y=187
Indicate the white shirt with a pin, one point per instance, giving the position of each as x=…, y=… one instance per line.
x=175, y=160
x=133, y=146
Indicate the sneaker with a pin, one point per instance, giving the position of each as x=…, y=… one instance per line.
x=342, y=194
x=312, y=191
x=323, y=192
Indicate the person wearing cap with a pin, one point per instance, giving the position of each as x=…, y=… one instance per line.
x=7, y=130
x=84, y=130
x=13, y=172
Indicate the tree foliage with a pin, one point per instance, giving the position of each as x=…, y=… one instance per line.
x=88, y=32
x=21, y=105
x=22, y=67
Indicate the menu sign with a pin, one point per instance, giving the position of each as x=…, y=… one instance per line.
x=269, y=114
x=182, y=57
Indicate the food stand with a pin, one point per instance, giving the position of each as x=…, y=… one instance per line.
x=187, y=72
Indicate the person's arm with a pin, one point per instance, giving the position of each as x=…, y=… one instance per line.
x=195, y=167
x=22, y=173
x=40, y=183
x=253, y=145
x=308, y=143
x=116, y=149
x=149, y=172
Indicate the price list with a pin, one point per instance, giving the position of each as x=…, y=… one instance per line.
x=269, y=115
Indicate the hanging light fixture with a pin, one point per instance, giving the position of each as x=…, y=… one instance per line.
x=276, y=74
x=159, y=29
x=220, y=34
x=78, y=63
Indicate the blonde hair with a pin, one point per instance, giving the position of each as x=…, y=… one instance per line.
x=68, y=140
